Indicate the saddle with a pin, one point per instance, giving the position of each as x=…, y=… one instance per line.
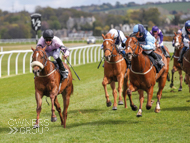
x=158, y=68
x=57, y=67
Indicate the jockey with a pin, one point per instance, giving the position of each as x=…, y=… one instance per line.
x=157, y=33
x=120, y=42
x=54, y=45
x=186, y=40
x=147, y=42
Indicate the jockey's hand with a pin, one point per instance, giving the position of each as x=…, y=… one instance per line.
x=64, y=57
x=158, y=45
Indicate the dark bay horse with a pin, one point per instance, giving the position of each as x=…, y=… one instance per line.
x=186, y=66
x=114, y=71
x=143, y=74
x=178, y=43
x=47, y=82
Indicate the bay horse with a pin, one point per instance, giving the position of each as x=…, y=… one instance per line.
x=143, y=74
x=114, y=71
x=178, y=44
x=48, y=82
x=186, y=66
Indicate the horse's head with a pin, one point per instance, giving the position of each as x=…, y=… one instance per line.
x=177, y=40
x=108, y=44
x=39, y=60
x=133, y=48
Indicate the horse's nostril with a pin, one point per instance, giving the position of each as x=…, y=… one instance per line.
x=38, y=70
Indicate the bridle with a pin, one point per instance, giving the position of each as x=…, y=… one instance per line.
x=44, y=62
x=111, y=51
x=133, y=50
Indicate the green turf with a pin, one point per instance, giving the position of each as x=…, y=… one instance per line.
x=89, y=120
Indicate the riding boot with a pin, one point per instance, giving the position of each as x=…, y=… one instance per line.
x=159, y=61
x=165, y=52
x=64, y=72
x=181, y=55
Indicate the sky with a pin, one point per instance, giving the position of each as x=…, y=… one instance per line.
x=29, y=5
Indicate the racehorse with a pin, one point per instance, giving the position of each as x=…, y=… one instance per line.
x=48, y=82
x=143, y=74
x=186, y=65
x=178, y=43
x=114, y=71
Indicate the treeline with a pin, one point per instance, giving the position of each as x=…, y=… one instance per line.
x=18, y=25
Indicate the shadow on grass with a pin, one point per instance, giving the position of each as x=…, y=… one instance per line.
x=86, y=110
x=103, y=122
x=185, y=108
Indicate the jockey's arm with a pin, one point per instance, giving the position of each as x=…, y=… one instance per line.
x=150, y=42
x=186, y=42
x=65, y=50
x=161, y=37
x=123, y=39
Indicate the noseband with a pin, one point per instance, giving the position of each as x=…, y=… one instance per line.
x=37, y=63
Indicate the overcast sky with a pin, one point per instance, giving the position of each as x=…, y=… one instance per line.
x=29, y=5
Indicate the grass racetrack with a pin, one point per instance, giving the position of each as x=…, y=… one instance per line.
x=89, y=120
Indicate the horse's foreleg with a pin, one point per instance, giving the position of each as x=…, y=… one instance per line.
x=104, y=83
x=38, y=97
x=114, y=92
x=53, y=116
x=173, y=71
x=141, y=99
x=129, y=93
x=120, y=80
x=149, y=98
x=58, y=108
x=181, y=80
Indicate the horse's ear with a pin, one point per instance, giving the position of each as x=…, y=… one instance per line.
x=175, y=33
x=127, y=37
x=137, y=34
x=32, y=49
x=103, y=36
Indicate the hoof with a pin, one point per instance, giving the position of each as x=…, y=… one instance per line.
x=139, y=114
x=120, y=102
x=36, y=126
x=114, y=108
x=109, y=104
x=134, y=108
x=157, y=110
x=180, y=89
x=171, y=85
x=53, y=119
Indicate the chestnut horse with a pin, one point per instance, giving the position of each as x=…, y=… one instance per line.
x=178, y=44
x=114, y=71
x=143, y=74
x=186, y=66
x=48, y=82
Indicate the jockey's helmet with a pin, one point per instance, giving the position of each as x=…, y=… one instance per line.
x=139, y=28
x=48, y=34
x=114, y=32
x=155, y=29
x=187, y=26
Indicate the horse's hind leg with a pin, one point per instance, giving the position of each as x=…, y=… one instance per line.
x=38, y=109
x=66, y=98
x=58, y=108
x=114, y=92
x=161, y=85
x=181, y=80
